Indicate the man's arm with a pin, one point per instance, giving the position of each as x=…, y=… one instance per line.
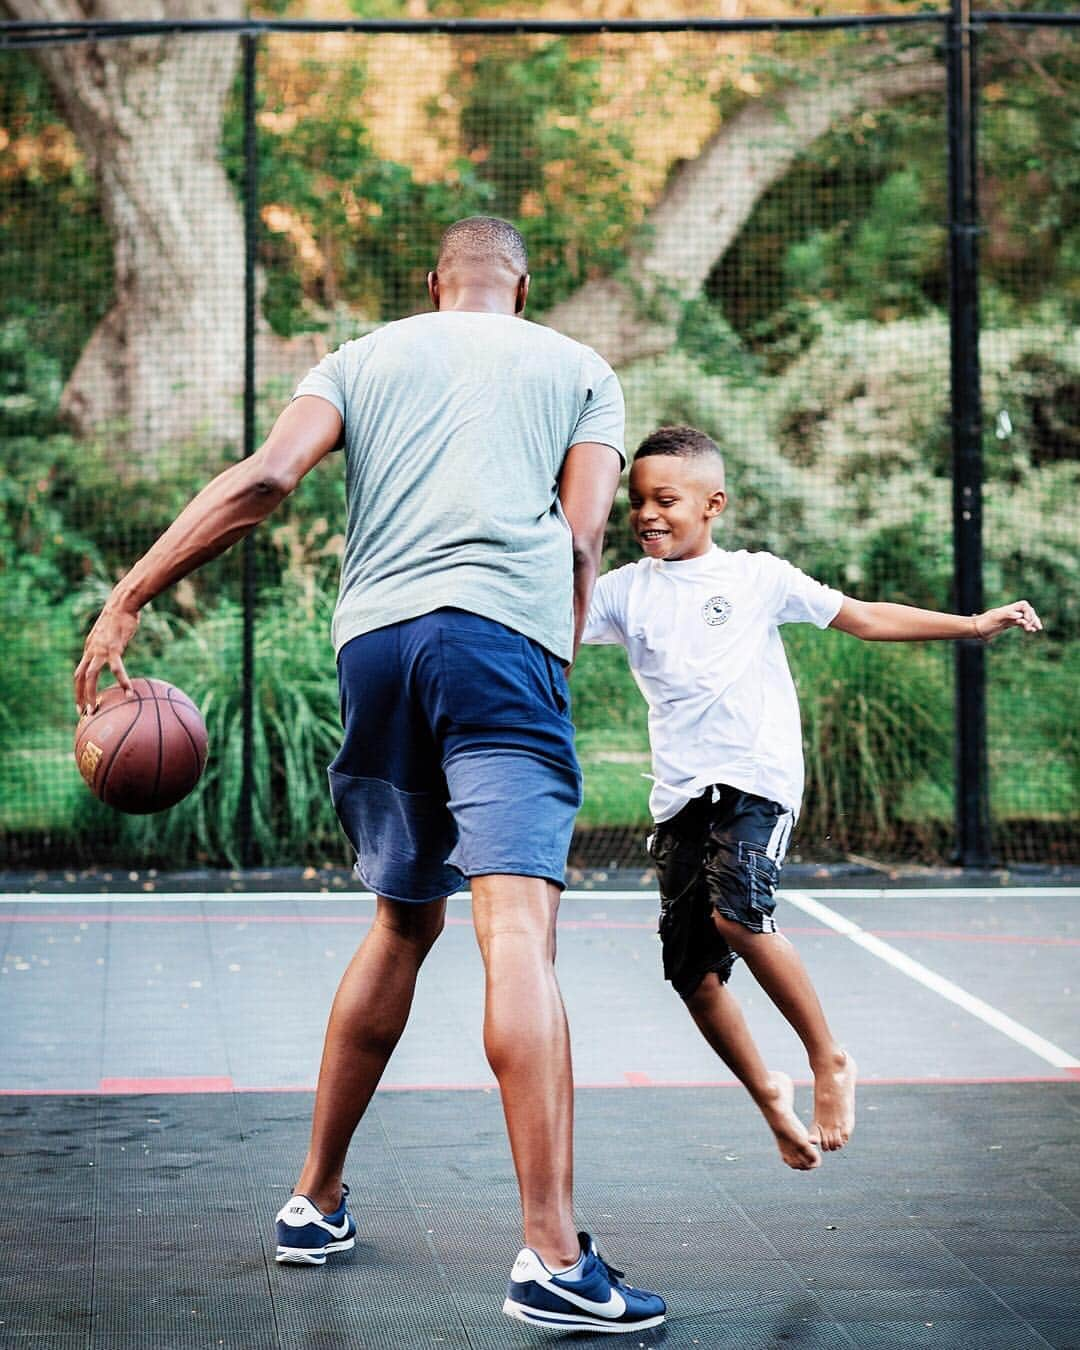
x=587, y=486
x=225, y=510
x=877, y=621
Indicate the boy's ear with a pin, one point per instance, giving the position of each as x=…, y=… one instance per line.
x=522, y=294
x=433, y=288
x=716, y=503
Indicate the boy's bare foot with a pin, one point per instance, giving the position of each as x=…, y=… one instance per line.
x=834, y=1103
x=792, y=1138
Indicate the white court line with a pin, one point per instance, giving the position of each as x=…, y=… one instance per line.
x=311, y=897
x=947, y=893
x=1038, y=1045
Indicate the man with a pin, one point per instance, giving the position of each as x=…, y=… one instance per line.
x=482, y=457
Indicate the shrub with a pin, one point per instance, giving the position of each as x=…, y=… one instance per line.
x=296, y=733
x=876, y=719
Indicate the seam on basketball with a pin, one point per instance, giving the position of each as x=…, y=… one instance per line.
x=84, y=727
x=119, y=743
x=160, y=750
x=187, y=703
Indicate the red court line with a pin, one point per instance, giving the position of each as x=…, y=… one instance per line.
x=631, y=1082
x=125, y=1087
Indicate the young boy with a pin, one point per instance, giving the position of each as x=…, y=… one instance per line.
x=701, y=629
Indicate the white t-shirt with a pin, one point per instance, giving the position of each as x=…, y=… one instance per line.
x=704, y=645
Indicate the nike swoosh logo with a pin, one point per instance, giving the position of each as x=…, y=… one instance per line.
x=337, y=1232
x=614, y=1307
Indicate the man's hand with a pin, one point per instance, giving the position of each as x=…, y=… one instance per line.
x=105, y=644
x=1017, y=615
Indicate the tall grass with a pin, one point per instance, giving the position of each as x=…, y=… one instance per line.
x=296, y=733
x=877, y=720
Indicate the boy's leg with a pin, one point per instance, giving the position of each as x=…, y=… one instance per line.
x=528, y=1047
x=697, y=962
x=367, y=1018
x=744, y=850
x=778, y=968
x=720, y=1020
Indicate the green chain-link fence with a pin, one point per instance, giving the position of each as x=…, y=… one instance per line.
x=752, y=224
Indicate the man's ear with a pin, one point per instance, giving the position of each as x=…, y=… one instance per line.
x=717, y=502
x=433, y=288
x=522, y=294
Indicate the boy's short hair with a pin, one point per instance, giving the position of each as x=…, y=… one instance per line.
x=686, y=442
x=486, y=239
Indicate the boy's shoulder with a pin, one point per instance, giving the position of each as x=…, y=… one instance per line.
x=759, y=564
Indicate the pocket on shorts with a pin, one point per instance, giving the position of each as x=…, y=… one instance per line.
x=762, y=878
x=560, y=688
x=488, y=681
x=678, y=865
x=742, y=882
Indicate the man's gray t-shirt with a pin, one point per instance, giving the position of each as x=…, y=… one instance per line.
x=456, y=428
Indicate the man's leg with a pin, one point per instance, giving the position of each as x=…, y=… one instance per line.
x=367, y=1018
x=778, y=968
x=528, y=1047
x=720, y=1020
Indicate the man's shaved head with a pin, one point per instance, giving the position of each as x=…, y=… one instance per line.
x=486, y=242
x=685, y=443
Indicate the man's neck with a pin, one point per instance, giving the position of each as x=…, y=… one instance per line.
x=477, y=300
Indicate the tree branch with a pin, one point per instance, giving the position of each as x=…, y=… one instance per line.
x=709, y=199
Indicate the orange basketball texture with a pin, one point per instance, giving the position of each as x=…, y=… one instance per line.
x=142, y=752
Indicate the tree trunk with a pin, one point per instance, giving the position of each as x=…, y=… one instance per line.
x=709, y=199
x=165, y=365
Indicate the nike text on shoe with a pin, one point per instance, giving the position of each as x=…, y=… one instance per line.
x=596, y=1301
x=305, y=1234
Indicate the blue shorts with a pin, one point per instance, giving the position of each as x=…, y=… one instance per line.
x=458, y=758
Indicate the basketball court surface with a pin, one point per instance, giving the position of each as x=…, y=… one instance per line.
x=158, y=1058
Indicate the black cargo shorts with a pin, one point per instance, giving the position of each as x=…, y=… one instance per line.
x=722, y=852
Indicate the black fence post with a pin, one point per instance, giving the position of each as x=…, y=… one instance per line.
x=972, y=795
x=251, y=219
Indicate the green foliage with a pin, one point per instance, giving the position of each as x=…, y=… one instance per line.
x=35, y=674
x=706, y=335
x=856, y=225
x=30, y=382
x=376, y=227
x=876, y=719
x=610, y=717
x=1033, y=730
x=818, y=358
x=529, y=121
x=911, y=563
x=55, y=252
x=886, y=266
x=297, y=731
x=605, y=696
x=1029, y=129
x=535, y=153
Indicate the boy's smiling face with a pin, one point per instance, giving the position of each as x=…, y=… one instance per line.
x=673, y=502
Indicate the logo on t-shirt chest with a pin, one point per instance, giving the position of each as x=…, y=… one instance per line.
x=716, y=611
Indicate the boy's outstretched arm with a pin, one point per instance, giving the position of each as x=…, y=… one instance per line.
x=879, y=621
x=224, y=511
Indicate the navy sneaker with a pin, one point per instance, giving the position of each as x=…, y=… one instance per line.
x=598, y=1301
x=305, y=1234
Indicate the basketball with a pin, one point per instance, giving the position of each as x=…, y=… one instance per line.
x=141, y=752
